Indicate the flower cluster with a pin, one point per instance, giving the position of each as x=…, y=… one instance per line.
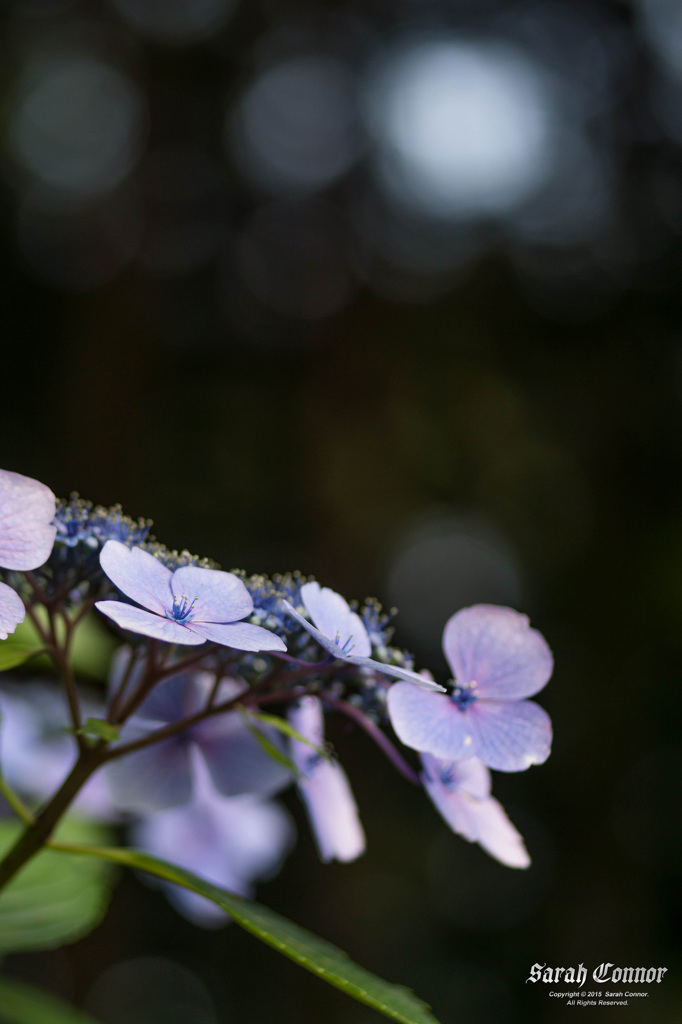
x=218, y=693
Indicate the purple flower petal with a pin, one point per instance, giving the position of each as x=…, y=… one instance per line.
x=139, y=576
x=456, y=806
x=333, y=617
x=498, y=837
x=230, y=842
x=176, y=698
x=243, y=636
x=12, y=610
x=459, y=794
x=496, y=648
x=236, y=761
x=510, y=735
x=36, y=747
x=333, y=813
x=325, y=789
x=27, y=509
x=307, y=718
x=470, y=776
x=369, y=663
x=395, y=672
x=220, y=596
x=430, y=722
x=507, y=735
x=322, y=640
x=151, y=779
x=129, y=616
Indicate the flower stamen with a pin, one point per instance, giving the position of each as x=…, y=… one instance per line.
x=182, y=609
x=464, y=695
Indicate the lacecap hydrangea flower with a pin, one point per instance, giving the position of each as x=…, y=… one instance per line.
x=340, y=631
x=188, y=606
x=497, y=660
x=164, y=774
x=230, y=841
x=27, y=534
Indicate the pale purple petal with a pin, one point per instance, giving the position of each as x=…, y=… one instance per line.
x=31, y=764
x=510, y=735
x=395, y=672
x=230, y=842
x=255, y=832
x=176, y=698
x=325, y=789
x=430, y=722
x=138, y=575
x=243, y=636
x=12, y=611
x=220, y=596
x=496, y=648
x=498, y=837
x=470, y=776
x=470, y=811
x=375, y=666
x=129, y=616
x=236, y=761
x=151, y=779
x=180, y=696
x=458, y=809
x=307, y=718
x=333, y=617
x=333, y=813
x=27, y=509
x=189, y=837
x=37, y=751
x=323, y=641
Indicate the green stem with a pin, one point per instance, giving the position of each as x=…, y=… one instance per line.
x=40, y=828
x=17, y=805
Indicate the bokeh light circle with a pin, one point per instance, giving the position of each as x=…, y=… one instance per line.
x=463, y=127
x=442, y=563
x=77, y=124
x=295, y=126
x=175, y=21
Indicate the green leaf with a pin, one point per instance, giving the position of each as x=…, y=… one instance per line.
x=26, y=632
x=91, y=648
x=284, y=727
x=13, y=654
x=100, y=728
x=267, y=744
x=54, y=899
x=23, y=1004
x=308, y=950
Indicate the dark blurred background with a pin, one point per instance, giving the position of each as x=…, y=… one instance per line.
x=389, y=293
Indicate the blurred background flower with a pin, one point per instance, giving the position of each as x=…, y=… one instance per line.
x=390, y=294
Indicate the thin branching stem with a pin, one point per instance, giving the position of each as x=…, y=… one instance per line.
x=373, y=730
x=15, y=802
x=39, y=830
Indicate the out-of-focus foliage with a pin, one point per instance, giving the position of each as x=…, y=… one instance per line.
x=55, y=899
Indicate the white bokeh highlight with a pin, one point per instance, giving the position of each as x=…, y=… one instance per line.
x=463, y=128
